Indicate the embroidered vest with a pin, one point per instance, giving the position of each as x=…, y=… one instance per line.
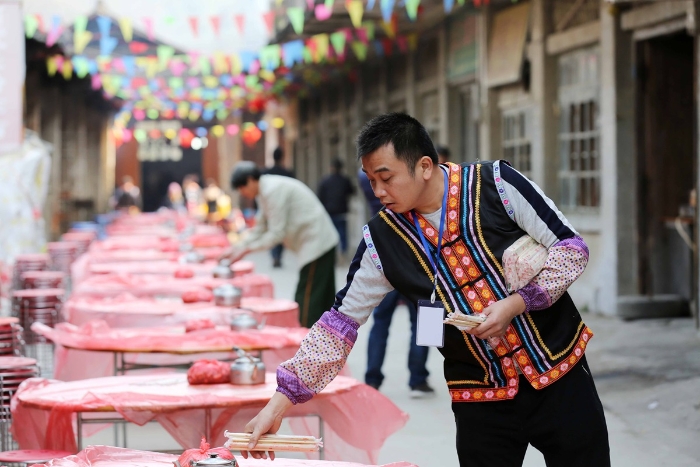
x=544, y=343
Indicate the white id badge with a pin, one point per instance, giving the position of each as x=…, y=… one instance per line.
x=431, y=329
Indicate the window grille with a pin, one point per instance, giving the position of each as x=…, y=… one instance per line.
x=516, y=141
x=579, y=131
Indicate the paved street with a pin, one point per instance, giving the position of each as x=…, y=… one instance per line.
x=647, y=372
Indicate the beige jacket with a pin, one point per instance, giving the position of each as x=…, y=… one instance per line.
x=290, y=213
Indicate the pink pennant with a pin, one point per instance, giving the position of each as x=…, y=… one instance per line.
x=149, y=28
x=240, y=23
x=119, y=65
x=54, y=33
x=96, y=82
x=269, y=18
x=362, y=35
x=59, y=62
x=215, y=24
x=254, y=67
x=40, y=23
x=322, y=12
x=127, y=134
x=194, y=24
x=310, y=4
x=177, y=67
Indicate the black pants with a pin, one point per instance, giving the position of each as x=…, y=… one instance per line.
x=564, y=421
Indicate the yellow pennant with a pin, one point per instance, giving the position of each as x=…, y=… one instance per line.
x=127, y=29
x=355, y=9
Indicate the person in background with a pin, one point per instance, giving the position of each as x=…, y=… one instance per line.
x=212, y=194
x=127, y=195
x=290, y=213
x=335, y=191
x=193, y=194
x=174, y=199
x=379, y=334
x=278, y=169
x=443, y=153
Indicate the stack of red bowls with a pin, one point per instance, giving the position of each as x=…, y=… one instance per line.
x=43, y=280
x=13, y=371
x=26, y=263
x=11, y=340
x=83, y=239
x=62, y=255
x=37, y=306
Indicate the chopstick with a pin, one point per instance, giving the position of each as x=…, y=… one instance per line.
x=239, y=441
x=466, y=321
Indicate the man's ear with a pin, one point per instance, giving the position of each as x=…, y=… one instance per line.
x=426, y=166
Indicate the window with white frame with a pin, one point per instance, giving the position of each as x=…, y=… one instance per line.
x=515, y=140
x=579, y=130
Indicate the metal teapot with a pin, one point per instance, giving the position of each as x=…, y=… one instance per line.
x=227, y=295
x=192, y=257
x=223, y=270
x=215, y=460
x=247, y=369
x=244, y=321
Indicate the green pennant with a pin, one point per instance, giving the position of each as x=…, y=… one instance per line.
x=329, y=4
x=296, y=17
x=360, y=50
x=31, y=25
x=412, y=9
x=176, y=83
x=165, y=53
x=369, y=28
x=270, y=56
x=251, y=80
x=308, y=56
x=338, y=40
x=205, y=66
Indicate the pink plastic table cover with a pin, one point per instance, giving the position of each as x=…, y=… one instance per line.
x=108, y=456
x=358, y=419
x=167, y=268
x=151, y=285
x=87, y=351
x=127, y=311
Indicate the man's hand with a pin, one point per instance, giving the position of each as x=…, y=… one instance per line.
x=267, y=421
x=498, y=317
x=233, y=254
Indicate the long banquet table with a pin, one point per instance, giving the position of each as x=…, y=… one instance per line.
x=357, y=419
x=108, y=456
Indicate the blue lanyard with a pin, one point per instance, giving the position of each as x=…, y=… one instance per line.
x=434, y=262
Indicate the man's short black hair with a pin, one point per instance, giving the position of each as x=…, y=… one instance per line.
x=277, y=155
x=409, y=138
x=243, y=172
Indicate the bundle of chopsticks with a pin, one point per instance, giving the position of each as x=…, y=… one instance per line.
x=239, y=442
x=464, y=321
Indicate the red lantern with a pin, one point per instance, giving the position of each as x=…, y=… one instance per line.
x=251, y=135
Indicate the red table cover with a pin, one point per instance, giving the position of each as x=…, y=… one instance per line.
x=358, y=419
x=108, y=456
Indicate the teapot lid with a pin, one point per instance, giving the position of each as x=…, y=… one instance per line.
x=227, y=290
x=214, y=459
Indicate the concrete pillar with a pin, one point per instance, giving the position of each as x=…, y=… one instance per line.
x=12, y=71
x=490, y=123
x=617, y=161
x=54, y=133
x=543, y=92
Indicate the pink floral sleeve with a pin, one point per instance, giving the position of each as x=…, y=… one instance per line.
x=320, y=358
x=566, y=261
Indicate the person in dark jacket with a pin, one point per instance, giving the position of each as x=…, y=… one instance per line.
x=334, y=191
x=278, y=169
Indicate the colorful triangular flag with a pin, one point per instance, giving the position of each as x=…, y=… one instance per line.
x=296, y=17
x=126, y=28
x=240, y=23
x=355, y=10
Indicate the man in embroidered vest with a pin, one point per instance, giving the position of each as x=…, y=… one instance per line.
x=518, y=378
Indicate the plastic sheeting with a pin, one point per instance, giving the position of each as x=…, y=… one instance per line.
x=127, y=311
x=149, y=285
x=85, y=352
x=108, y=456
x=358, y=419
x=167, y=268
x=24, y=183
